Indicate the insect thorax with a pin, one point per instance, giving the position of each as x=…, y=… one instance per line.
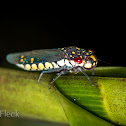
x=72, y=52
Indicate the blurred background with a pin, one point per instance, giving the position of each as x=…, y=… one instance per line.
x=96, y=26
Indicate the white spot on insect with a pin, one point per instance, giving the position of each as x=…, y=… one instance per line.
x=61, y=62
x=20, y=65
x=88, y=65
x=72, y=62
x=81, y=64
x=40, y=66
x=67, y=63
x=34, y=66
x=48, y=65
x=27, y=67
x=55, y=65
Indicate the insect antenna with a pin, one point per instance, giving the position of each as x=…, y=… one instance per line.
x=103, y=61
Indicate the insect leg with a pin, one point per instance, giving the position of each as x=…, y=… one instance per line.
x=93, y=72
x=67, y=56
x=54, y=79
x=86, y=76
x=70, y=62
x=40, y=77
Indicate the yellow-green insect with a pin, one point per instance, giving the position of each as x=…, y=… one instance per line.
x=62, y=60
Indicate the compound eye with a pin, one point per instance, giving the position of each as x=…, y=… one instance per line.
x=78, y=60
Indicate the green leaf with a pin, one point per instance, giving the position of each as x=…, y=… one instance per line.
x=19, y=91
x=79, y=103
x=107, y=99
x=78, y=116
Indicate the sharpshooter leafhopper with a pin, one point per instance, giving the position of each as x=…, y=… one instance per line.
x=62, y=60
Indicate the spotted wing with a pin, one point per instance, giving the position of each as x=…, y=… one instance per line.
x=35, y=56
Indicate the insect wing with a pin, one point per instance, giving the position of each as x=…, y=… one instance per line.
x=35, y=56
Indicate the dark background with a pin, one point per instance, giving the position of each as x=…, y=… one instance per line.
x=97, y=26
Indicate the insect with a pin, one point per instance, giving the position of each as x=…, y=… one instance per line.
x=62, y=60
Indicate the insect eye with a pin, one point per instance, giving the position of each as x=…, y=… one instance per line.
x=78, y=60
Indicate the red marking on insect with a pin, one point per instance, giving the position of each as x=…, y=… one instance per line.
x=91, y=50
x=78, y=60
